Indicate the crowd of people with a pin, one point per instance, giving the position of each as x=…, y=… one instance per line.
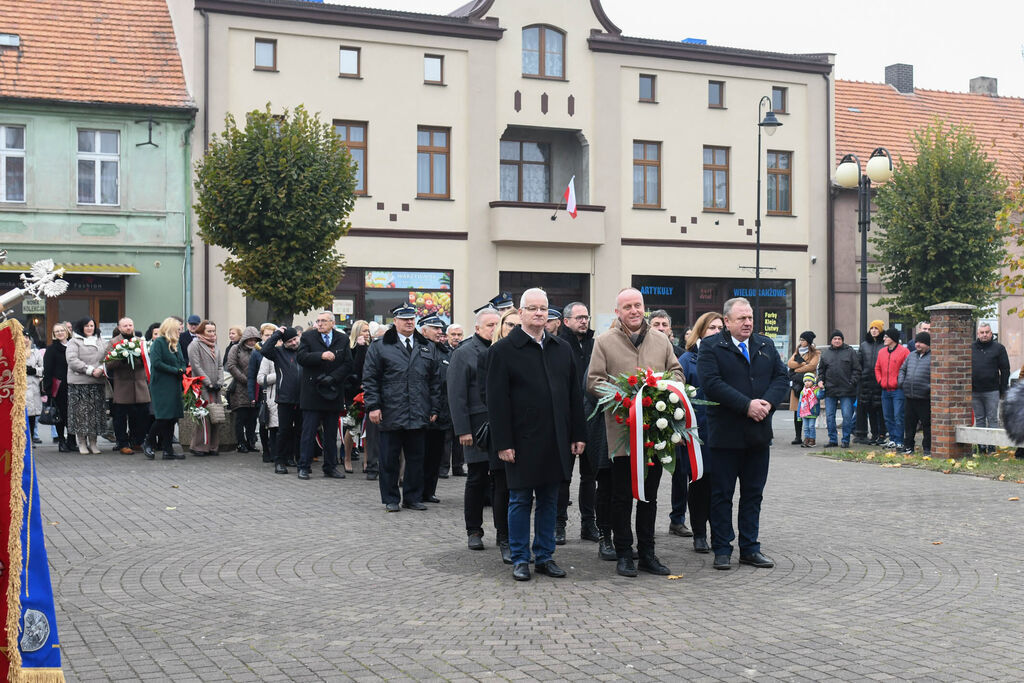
x=511, y=406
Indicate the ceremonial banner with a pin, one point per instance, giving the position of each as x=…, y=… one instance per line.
x=29, y=646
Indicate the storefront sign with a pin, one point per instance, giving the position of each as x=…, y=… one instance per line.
x=750, y=292
x=407, y=279
x=343, y=307
x=33, y=306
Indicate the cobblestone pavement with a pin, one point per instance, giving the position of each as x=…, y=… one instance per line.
x=217, y=570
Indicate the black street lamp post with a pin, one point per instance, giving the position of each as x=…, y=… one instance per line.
x=769, y=123
x=848, y=174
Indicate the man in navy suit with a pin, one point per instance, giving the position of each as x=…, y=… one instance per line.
x=742, y=372
x=326, y=362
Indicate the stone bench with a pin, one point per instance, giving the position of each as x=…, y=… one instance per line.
x=989, y=436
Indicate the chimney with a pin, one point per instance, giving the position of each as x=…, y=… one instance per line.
x=985, y=85
x=901, y=77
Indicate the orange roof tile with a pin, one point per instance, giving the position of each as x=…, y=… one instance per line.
x=92, y=51
x=870, y=115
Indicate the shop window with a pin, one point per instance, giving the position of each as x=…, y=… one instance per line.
x=428, y=291
x=525, y=171
x=716, y=178
x=432, y=170
x=353, y=134
x=646, y=174
x=12, y=163
x=779, y=183
x=543, y=52
x=265, y=58
x=98, y=166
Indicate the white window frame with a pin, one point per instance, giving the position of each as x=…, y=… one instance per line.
x=5, y=154
x=96, y=158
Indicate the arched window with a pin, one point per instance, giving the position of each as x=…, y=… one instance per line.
x=543, y=52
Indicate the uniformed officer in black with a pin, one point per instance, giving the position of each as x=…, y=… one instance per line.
x=431, y=327
x=402, y=390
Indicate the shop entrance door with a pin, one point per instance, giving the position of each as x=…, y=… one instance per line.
x=105, y=309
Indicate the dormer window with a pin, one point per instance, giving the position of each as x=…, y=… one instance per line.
x=543, y=52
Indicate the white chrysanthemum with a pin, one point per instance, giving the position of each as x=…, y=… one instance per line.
x=666, y=459
x=672, y=398
x=678, y=415
x=691, y=391
x=660, y=446
x=676, y=438
x=660, y=406
x=662, y=385
x=661, y=423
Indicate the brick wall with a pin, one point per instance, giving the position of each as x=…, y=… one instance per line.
x=952, y=333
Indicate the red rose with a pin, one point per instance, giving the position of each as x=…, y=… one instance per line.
x=633, y=381
x=648, y=402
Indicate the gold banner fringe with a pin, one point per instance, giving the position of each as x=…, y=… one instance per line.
x=39, y=676
x=17, y=501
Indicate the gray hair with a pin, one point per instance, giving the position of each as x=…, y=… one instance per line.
x=984, y=324
x=727, y=308
x=453, y=326
x=484, y=312
x=531, y=291
x=567, y=311
x=660, y=313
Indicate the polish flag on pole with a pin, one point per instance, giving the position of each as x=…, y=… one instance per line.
x=570, y=197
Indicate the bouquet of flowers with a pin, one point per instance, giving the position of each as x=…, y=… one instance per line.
x=658, y=415
x=195, y=406
x=355, y=412
x=127, y=350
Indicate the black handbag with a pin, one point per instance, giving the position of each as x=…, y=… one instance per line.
x=482, y=436
x=49, y=416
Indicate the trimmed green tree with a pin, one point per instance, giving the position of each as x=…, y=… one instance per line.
x=1012, y=226
x=276, y=195
x=938, y=239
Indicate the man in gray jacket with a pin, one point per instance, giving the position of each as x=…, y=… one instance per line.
x=402, y=390
x=468, y=413
x=915, y=379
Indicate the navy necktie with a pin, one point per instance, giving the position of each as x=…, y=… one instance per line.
x=743, y=348
x=327, y=340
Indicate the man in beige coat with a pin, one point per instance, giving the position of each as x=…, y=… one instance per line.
x=629, y=345
x=130, y=410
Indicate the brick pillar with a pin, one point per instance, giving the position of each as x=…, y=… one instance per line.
x=952, y=335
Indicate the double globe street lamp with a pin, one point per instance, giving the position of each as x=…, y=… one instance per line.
x=848, y=174
x=767, y=122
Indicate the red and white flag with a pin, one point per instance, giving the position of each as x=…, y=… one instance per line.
x=570, y=197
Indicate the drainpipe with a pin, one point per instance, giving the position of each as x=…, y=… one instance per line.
x=187, y=214
x=206, y=146
x=830, y=219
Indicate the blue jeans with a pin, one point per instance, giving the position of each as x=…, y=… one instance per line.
x=520, y=504
x=808, y=422
x=845, y=403
x=892, y=409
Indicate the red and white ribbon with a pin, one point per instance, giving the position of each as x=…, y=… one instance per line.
x=692, y=443
x=145, y=359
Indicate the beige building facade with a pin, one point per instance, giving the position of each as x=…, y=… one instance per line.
x=470, y=126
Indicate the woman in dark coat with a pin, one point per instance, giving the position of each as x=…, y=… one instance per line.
x=166, y=368
x=869, y=393
x=55, y=384
x=359, y=342
x=240, y=397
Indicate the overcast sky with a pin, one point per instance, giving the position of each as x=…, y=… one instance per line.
x=947, y=41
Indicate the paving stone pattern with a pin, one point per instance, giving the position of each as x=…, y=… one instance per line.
x=217, y=570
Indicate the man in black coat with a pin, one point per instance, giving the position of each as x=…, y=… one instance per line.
x=743, y=374
x=575, y=330
x=468, y=413
x=431, y=327
x=839, y=371
x=289, y=389
x=402, y=391
x=535, y=410
x=326, y=362
x=990, y=377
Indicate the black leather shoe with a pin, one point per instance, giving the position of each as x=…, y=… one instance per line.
x=242, y=448
x=680, y=530
x=177, y=456
x=414, y=506
x=605, y=549
x=652, y=565
x=560, y=534
x=303, y=474
x=391, y=507
x=334, y=474
x=442, y=475
x=625, y=567
x=280, y=469
x=590, y=532
x=506, y=551
x=197, y=454
x=521, y=572
x=458, y=472
x=797, y=441
x=431, y=499
x=722, y=562
x=291, y=463
x=476, y=542
x=757, y=560
x=551, y=569
x=371, y=476
x=700, y=545
x=147, y=449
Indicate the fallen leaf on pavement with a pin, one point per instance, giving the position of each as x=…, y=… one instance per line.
x=170, y=508
x=675, y=577
x=54, y=523
x=946, y=471
x=936, y=542
x=1014, y=498
x=893, y=464
x=1002, y=477
x=174, y=486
